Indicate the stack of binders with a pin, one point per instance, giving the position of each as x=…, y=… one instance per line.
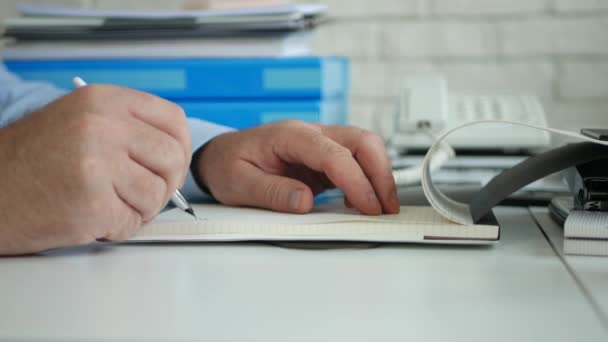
x=237, y=67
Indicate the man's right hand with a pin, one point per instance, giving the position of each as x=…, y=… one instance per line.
x=95, y=164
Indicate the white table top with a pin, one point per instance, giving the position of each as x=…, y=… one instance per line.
x=517, y=290
x=591, y=271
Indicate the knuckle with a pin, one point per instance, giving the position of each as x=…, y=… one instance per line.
x=334, y=150
x=291, y=124
x=173, y=156
x=91, y=93
x=89, y=125
x=370, y=137
x=177, y=111
x=272, y=194
x=88, y=167
x=155, y=190
x=143, y=96
x=92, y=130
x=131, y=224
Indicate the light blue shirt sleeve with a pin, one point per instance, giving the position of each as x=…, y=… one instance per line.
x=19, y=98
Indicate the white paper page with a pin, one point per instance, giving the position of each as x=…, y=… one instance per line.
x=326, y=222
x=326, y=213
x=48, y=10
x=287, y=45
x=457, y=211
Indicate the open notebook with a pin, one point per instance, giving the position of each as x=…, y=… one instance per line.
x=327, y=222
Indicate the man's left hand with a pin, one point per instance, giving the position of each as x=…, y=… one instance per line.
x=281, y=166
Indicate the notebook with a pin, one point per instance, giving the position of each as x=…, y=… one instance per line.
x=326, y=222
x=586, y=233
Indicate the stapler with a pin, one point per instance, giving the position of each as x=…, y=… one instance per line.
x=588, y=182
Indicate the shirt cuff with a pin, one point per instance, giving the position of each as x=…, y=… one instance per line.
x=24, y=98
x=201, y=132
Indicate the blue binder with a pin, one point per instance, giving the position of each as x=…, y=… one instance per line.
x=245, y=114
x=208, y=78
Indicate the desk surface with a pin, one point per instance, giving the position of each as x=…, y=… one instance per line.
x=590, y=271
x=517, y=290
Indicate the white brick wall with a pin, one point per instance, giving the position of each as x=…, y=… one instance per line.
x=556, y=36
x=375, y=8
x=433, y=38
x=584, y=81
x=488, y=7
x=567, y=6
x=557, y=49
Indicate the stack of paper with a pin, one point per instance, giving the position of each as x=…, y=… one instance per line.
x=239, y=66
x=256, y=31
x=586, y=233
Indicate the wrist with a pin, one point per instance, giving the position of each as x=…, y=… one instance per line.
x=197, y=168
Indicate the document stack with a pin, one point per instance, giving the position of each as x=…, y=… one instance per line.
x=239, y=67
x=585, y=231
x=584, y=214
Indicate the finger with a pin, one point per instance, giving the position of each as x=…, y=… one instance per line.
x=305, y=144
x=158, y=152
x=369, y=151
x=347, y=203
x=140, y=188
x=165, y=116
x=261, y=189
x=125, y=220
x=153, y=110
x=316, y=181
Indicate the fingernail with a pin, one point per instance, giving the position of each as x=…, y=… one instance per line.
x=294, y=199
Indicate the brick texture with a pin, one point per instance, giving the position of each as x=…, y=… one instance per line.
x=556, y=36
x=566, y=6
x=488, y=7
x=584, y=81
x=437, y=39
x=366, y=8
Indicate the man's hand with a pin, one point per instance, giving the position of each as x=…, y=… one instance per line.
x=95, y=164
x=281, y=166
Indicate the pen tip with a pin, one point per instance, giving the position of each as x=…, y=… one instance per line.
x=191, y=212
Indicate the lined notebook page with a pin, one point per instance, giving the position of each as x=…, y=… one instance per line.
x=325, y=222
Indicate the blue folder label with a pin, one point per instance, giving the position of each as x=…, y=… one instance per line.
x=292, y=78
x=167, y=79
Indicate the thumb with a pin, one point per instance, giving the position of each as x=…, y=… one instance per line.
x=275, y=192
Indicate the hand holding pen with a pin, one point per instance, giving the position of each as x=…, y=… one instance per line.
x=177, y=198
x=95, y=164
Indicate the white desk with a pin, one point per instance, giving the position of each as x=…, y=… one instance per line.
x=590, y=271
x=518, y=290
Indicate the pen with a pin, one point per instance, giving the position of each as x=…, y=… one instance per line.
x=177, y=198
